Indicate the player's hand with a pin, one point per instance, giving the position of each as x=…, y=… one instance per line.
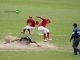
x=37, y=22
x=38, y=16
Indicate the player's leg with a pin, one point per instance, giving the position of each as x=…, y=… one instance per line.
x=29, y=31
x=35, y=43
x=44, y=36
x=42, y=29
x=28, y=28
x=31, y=41
x=23, y=31
x=47, y=33
x=77, y=43
x=75, y=47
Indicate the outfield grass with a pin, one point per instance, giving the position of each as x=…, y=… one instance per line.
x=37, y=55
x=63, y=13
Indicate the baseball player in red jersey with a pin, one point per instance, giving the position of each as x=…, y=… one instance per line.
x=30, y=24
x=43, y=29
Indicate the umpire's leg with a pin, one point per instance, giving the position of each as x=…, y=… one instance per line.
x=78, y=40
x=75, y=45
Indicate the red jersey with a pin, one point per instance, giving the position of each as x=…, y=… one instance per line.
x=31, y=22
x=44, y=22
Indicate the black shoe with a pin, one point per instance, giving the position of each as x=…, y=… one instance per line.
x=75, y=54
x=79, y=52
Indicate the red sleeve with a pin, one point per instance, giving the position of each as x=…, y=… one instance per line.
x=43, y=19
x=27, y=21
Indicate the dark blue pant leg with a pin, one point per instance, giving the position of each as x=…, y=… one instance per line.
x=75, y=45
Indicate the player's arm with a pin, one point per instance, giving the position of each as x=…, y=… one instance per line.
x=40, y=17
x=72, y=36
x=27, y=22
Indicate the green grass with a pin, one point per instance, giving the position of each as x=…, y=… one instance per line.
x=37, y=55
x=62, y=13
